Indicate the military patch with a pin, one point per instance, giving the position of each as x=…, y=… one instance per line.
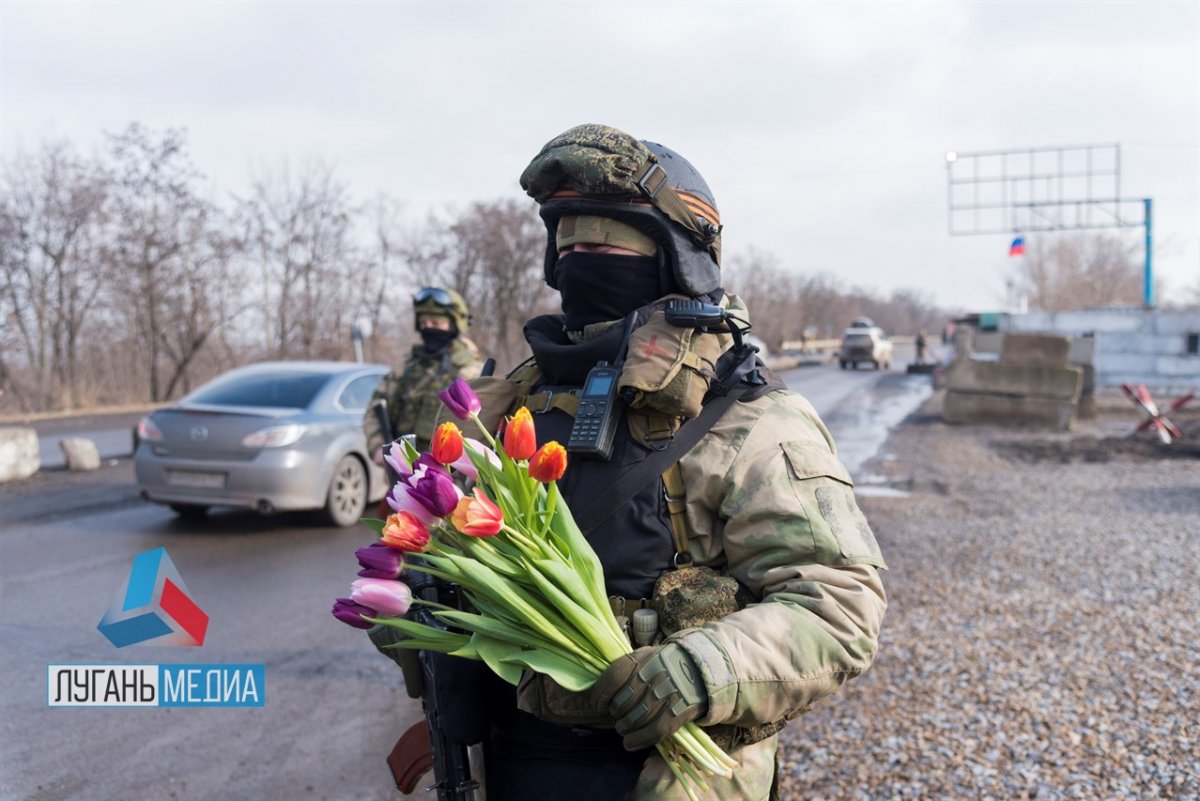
x=847, y=523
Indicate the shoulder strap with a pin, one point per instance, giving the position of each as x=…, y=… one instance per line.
x=653, y=465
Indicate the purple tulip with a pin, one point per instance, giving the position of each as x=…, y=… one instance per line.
x=435, y=490
x=394, y=456
x=352, y=613
x=380, y=561
x=401, y=499
x=389, y=597
x=460, y=399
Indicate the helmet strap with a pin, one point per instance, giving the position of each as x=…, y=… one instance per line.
x=653, y=184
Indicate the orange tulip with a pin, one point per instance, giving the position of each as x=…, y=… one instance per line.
x=405, y=532
x=447, y=445
x=520, y=440
x=477, y=516
x=549, y=463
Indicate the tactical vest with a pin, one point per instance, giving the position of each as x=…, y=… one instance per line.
x=636, y=543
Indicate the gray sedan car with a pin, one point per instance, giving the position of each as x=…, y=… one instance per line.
x=273, y=436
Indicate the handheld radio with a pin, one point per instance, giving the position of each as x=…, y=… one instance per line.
x=599, y=406
x=596, y=421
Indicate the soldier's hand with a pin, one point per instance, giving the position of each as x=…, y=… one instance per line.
x=378, y=458
x=651, y=693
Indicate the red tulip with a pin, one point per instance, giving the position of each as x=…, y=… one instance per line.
x=520, y=439
x=405, y=532
x=447, y=445
x=548, y=463
x=477, y=516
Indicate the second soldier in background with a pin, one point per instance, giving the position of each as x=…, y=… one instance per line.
x=443, y=354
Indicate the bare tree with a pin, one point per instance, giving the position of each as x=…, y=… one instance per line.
x=299, y=229
x=493, y=255
x=1080, y=271
x=170, y=260
x=50, y=273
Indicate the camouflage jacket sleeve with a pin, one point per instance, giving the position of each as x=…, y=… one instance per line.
x=466, y=359
x=769, y=503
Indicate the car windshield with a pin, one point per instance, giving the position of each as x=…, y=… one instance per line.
x=291, y=390
x=858, y=339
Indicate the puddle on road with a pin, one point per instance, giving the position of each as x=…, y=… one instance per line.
x=877, y=491
x=861, y=422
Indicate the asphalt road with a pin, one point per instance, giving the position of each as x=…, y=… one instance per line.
x=334, y=707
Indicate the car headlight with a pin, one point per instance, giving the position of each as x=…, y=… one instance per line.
x=274, y=436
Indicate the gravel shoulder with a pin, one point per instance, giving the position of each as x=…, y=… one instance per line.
x=1043, y=633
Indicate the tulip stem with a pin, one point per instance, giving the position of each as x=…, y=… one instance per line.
x=551, y=502
x=487, y=435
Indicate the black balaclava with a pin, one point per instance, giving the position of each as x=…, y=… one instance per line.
x=599, y=287
x=436, y=340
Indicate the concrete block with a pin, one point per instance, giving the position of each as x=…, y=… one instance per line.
x=988, y=342
x=1035, y=349
x=1080, y=322
x=999, y=378
x=1086, y=409
x=80, y=453
x=1083, y=350
x=963, y=407
x=19, y=456
x=1176, y=323
x=1177, y=368
x=1087, y=384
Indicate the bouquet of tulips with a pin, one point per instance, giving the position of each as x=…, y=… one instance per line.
x=534, y=582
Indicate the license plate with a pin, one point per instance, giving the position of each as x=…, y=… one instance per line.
x=183, y=478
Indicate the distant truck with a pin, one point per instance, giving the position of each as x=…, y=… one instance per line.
x=864, y=342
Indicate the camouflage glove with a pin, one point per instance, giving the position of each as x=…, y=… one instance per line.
x=651, y=693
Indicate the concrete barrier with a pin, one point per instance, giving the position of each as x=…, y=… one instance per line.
x=1035, y=349
x=1003, y=378
x=19, y=456
x=80, y=454
x=965, y=407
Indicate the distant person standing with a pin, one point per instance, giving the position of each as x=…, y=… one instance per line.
x=443, y=354
x=920, y=342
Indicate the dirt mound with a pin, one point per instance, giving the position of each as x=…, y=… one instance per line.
x=1095, y=449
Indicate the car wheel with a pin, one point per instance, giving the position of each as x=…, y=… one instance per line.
x=190, y=511
x=875, y=364
x=853, y=365
x=347, y=493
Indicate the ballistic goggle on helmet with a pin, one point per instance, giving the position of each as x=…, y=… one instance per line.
x=598, y=171
x=443, y=302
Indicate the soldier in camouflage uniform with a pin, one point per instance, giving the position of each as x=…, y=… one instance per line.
x=763, y=571
x=443, y=354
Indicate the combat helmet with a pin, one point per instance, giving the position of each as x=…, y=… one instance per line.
x=595, y=170
x=444, y=302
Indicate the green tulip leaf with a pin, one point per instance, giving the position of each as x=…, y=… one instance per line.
x=494, y=652
x=565, y=673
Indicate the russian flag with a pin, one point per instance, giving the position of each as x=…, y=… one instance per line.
x=1017, y=248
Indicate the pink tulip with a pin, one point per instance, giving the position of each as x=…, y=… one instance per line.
x=386, y=596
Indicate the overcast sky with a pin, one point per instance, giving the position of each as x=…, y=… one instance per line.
x=821, y=128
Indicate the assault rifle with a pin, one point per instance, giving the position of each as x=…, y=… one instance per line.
x=425, y=745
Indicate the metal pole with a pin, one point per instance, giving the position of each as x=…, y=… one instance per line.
x=1148, y=279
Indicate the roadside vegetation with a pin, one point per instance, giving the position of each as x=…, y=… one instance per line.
x=122, y=279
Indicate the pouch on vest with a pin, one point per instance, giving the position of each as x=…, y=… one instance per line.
x=540, y=696
x=669, y=368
